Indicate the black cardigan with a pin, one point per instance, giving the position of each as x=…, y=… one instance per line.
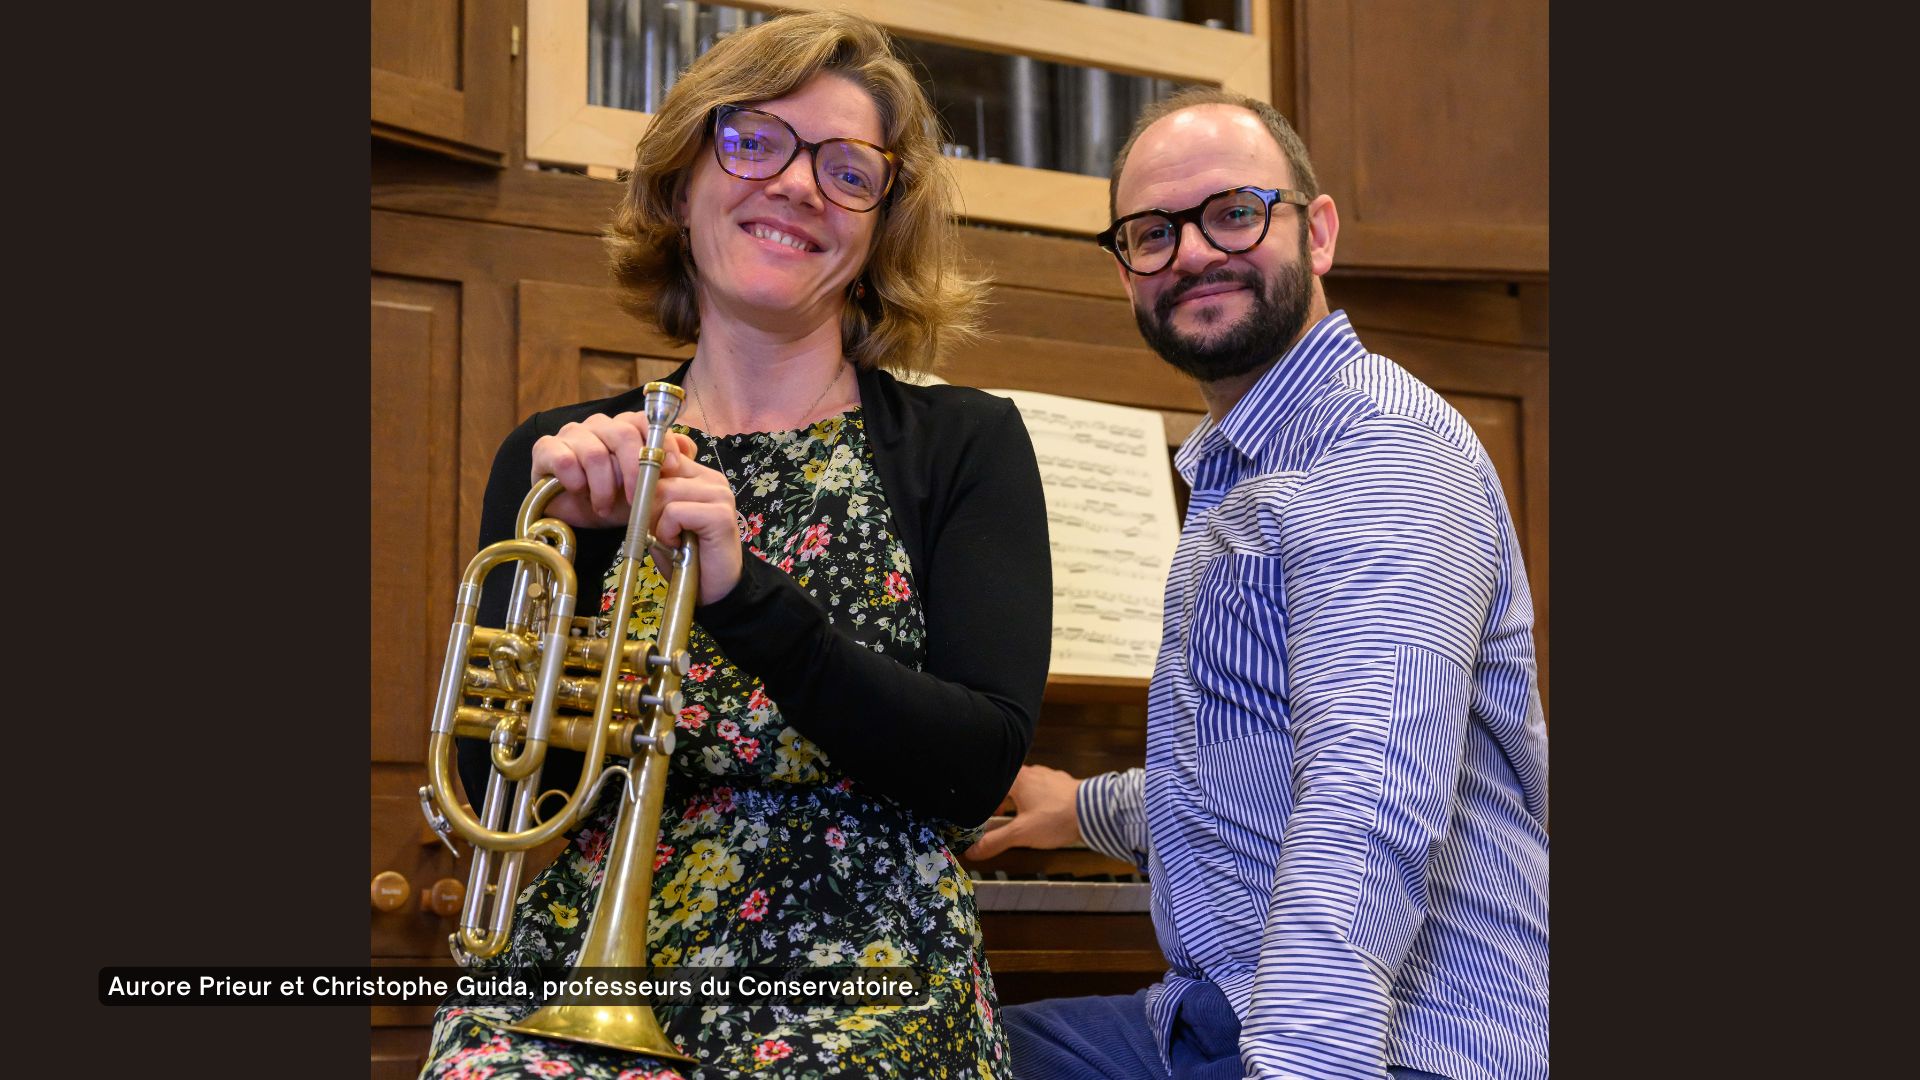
x=963, y=491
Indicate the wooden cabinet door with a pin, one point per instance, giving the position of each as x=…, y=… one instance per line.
x=414, y=401
x=442, y=75
x=416, y=562
x=1427, y=123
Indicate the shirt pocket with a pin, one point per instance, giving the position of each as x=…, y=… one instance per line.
x=1245, y=785
x=1237, y=648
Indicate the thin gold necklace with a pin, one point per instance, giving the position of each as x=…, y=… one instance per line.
x=739, y=517
x=706, y=425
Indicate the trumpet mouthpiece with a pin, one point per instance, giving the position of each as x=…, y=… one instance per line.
x=663, y=403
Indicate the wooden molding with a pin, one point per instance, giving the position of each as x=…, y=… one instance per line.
x=1509, y=252
x=1031, y=198
x=1119, y=41
x=1082, y=689
x=418, y=105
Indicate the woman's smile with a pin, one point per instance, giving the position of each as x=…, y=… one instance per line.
x=790, y=237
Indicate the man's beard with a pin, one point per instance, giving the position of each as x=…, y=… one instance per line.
x=1260, y=336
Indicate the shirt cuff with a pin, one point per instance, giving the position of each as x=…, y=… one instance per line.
x=1113, y=817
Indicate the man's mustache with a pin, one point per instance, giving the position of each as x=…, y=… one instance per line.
x=1164, y=306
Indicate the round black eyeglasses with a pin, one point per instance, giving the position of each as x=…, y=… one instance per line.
x=853, y=174
x=1233, y=221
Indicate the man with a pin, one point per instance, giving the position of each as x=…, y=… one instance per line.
x=1343, y=810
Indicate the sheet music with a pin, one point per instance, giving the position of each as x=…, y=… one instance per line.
x=1110, y=516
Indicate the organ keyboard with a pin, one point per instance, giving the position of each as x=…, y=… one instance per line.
x=1064, y=923
x=1001, y=891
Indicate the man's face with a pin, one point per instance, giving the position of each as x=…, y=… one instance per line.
x=1211, y=314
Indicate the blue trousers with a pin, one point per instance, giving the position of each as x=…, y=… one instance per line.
x=1108, y=1038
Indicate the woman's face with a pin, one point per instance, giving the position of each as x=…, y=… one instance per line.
x=775, y=253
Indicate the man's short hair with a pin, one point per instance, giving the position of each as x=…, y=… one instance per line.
x=1277, y=126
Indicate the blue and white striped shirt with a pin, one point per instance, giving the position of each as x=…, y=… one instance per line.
x=1344, y=805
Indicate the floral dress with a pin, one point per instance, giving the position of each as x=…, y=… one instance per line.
x=767, y=856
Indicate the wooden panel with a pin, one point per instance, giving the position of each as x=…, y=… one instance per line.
x=604, y=374
x=1489, y=312
x=1035, y=955
x=559, y=324
x=418, y=39
x=1080, y=862
x=1463, y=366
x=1500, y=251
x=1094, y=689
x=415, y=358
x=441, y=75
x=1473, y=78
x=1018, y=986
x=1094, y=321
x=1534, y=311
x=1428, y=126
x=1044, y=262
x=1029, y=197
x=1087, y=739
x=422, y=246
x=486, y=397
x=1132, y=376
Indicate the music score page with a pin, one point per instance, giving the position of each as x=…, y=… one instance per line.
x=1110, y=516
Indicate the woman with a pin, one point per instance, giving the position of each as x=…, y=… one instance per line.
x=875, y=595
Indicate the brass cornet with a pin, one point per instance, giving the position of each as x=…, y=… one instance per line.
x=539, y=685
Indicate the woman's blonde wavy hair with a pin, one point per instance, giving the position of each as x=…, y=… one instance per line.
x=919, y=301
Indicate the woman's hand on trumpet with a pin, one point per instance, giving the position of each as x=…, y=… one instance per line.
x=698, y=502
x=597, y=461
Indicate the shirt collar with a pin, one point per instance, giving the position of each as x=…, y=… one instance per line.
x=1328, y=345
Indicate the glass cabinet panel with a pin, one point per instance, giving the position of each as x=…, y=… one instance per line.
x=1035, y=95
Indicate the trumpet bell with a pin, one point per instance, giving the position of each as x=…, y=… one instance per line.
x=628, y=1028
